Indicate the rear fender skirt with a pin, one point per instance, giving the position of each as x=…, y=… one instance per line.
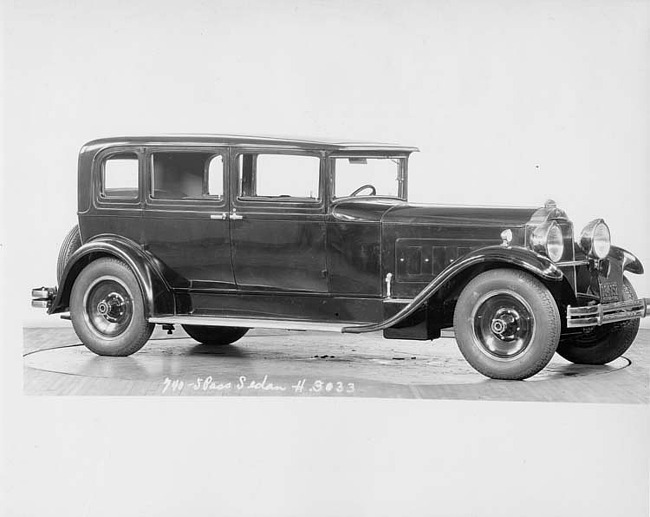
x=157, y=294
x=515, y=256
x=630, y=262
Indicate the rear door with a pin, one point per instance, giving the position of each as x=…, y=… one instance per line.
x=185, y=224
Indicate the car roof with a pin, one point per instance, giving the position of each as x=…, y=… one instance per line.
x=248, y=140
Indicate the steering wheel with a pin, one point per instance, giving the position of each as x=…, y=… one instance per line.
x=373, y=190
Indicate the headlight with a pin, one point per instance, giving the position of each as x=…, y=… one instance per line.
x=595, y=239
x=547, y=238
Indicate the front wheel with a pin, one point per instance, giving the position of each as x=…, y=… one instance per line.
x=107, y=309
x=601, y=345
x=507, y=324
x=214, y=335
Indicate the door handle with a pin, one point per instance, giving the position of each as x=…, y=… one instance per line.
x=222, y=215
x=234, y=216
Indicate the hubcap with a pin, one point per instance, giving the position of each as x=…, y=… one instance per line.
x=503, y=324
x=113, y=307
x=506, y=323
x=109, y=307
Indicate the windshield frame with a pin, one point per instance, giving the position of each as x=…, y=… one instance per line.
x=402, y=179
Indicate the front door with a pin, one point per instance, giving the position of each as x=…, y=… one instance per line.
x=185, y=219
x=277, y=221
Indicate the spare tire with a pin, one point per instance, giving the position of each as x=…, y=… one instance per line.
x=71, y=243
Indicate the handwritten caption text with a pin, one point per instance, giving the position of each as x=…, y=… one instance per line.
x=244, y=383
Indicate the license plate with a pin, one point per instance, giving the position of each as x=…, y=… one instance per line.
x=608, y=291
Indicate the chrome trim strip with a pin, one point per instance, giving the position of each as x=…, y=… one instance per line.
x=588, y=310
x=603, y=313
x=224, y=321
x=398, y=300
x=583, y=262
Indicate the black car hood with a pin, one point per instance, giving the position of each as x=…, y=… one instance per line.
x=458, y=215
x=391, y=211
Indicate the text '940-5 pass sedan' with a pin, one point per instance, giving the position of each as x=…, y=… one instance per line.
x=221, y=234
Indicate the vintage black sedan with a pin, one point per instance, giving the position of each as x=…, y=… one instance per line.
x=221, y=234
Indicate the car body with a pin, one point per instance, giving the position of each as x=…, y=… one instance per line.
x=225, y=233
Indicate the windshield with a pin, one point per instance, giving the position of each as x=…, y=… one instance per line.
x=371, y=176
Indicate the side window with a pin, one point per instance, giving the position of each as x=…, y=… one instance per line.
x=119, y=176
x=186, y=175
x=378, y=176
x=215, y=176
x=279, y=176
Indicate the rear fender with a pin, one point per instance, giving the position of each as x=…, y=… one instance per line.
x=156, y=292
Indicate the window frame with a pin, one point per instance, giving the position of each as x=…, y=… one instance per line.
x=205, y=200
x=402, y=193
x=98, y=178
x=280, y=202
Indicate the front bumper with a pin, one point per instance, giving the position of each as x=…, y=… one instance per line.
x=603, y=313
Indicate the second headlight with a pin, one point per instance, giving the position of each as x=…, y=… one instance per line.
x=595, y=239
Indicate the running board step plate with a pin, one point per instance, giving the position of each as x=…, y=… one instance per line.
x=211, y=321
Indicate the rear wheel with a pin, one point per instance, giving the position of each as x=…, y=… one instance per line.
x=107, y=309
x=601, y=345
x=214, y=335
x=507, y=324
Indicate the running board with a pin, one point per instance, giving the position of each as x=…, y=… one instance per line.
x=212, y=321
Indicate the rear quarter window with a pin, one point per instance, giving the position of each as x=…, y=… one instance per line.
x=119, y=176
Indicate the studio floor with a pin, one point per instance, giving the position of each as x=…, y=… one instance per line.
x=290, y=363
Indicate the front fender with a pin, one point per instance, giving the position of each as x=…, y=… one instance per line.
x=514, y=256
x=157, y=294
x=630, y=262
x=518, y=256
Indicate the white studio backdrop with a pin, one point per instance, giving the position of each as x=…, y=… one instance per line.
x=511, y=103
